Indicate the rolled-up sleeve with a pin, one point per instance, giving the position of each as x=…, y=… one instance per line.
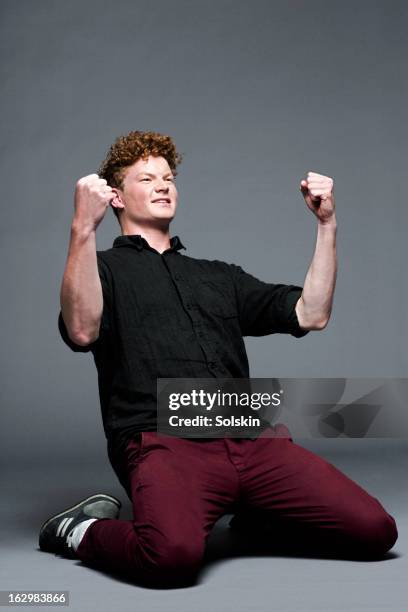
x=105, y=327
x=266, y=308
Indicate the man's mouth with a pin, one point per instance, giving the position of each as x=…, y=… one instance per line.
x=162, y=201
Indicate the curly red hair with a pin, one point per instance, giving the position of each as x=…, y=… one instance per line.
x=126, y=150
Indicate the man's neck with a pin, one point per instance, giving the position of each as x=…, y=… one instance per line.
x=157, y=237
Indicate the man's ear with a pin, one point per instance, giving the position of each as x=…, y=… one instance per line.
x=117, y=201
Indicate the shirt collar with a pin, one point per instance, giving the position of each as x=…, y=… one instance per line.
x=140, y=243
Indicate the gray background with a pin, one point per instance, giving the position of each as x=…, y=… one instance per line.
x=255, y=94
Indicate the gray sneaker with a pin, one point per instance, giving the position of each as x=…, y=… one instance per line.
x=55, y=532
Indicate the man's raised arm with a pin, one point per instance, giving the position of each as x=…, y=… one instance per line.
x=314, y=307
x=81, y=291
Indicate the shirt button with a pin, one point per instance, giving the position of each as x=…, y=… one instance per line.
x=201, y=334
x=177, y=277
x=211, y=364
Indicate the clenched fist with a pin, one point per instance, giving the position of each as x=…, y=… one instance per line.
x=92, y=198
x=317, y=191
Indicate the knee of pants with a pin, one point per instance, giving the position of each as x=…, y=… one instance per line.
x=172, y=560
x=375, y=534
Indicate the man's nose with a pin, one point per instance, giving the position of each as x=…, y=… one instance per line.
x=161, y=186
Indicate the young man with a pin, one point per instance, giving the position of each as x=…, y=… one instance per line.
x=146, y=311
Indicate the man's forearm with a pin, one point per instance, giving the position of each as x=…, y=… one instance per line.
x=314, y=307
x=81, y=292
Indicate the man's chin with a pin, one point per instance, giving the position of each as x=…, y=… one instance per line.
x=162, y=221
x=164, y=216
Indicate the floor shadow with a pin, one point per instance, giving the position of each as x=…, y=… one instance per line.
x=226, y=543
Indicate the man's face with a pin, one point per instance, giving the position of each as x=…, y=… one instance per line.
x=149, y=192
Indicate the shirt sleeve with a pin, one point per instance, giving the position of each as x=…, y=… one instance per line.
x=105, y=327
x=266, y=308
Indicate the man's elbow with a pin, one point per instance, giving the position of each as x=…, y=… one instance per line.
x=313, y=326
x=82, y=336
x=82, y=339
x=319, y=325
x=310, y=323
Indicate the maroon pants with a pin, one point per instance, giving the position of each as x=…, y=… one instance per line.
x=180, y=487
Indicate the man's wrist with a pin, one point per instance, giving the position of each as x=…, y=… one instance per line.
x=81, y=231
x=329, y=225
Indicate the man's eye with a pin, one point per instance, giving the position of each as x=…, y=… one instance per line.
x=145, y=179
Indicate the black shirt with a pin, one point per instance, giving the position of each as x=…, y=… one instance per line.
x=172, y=316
